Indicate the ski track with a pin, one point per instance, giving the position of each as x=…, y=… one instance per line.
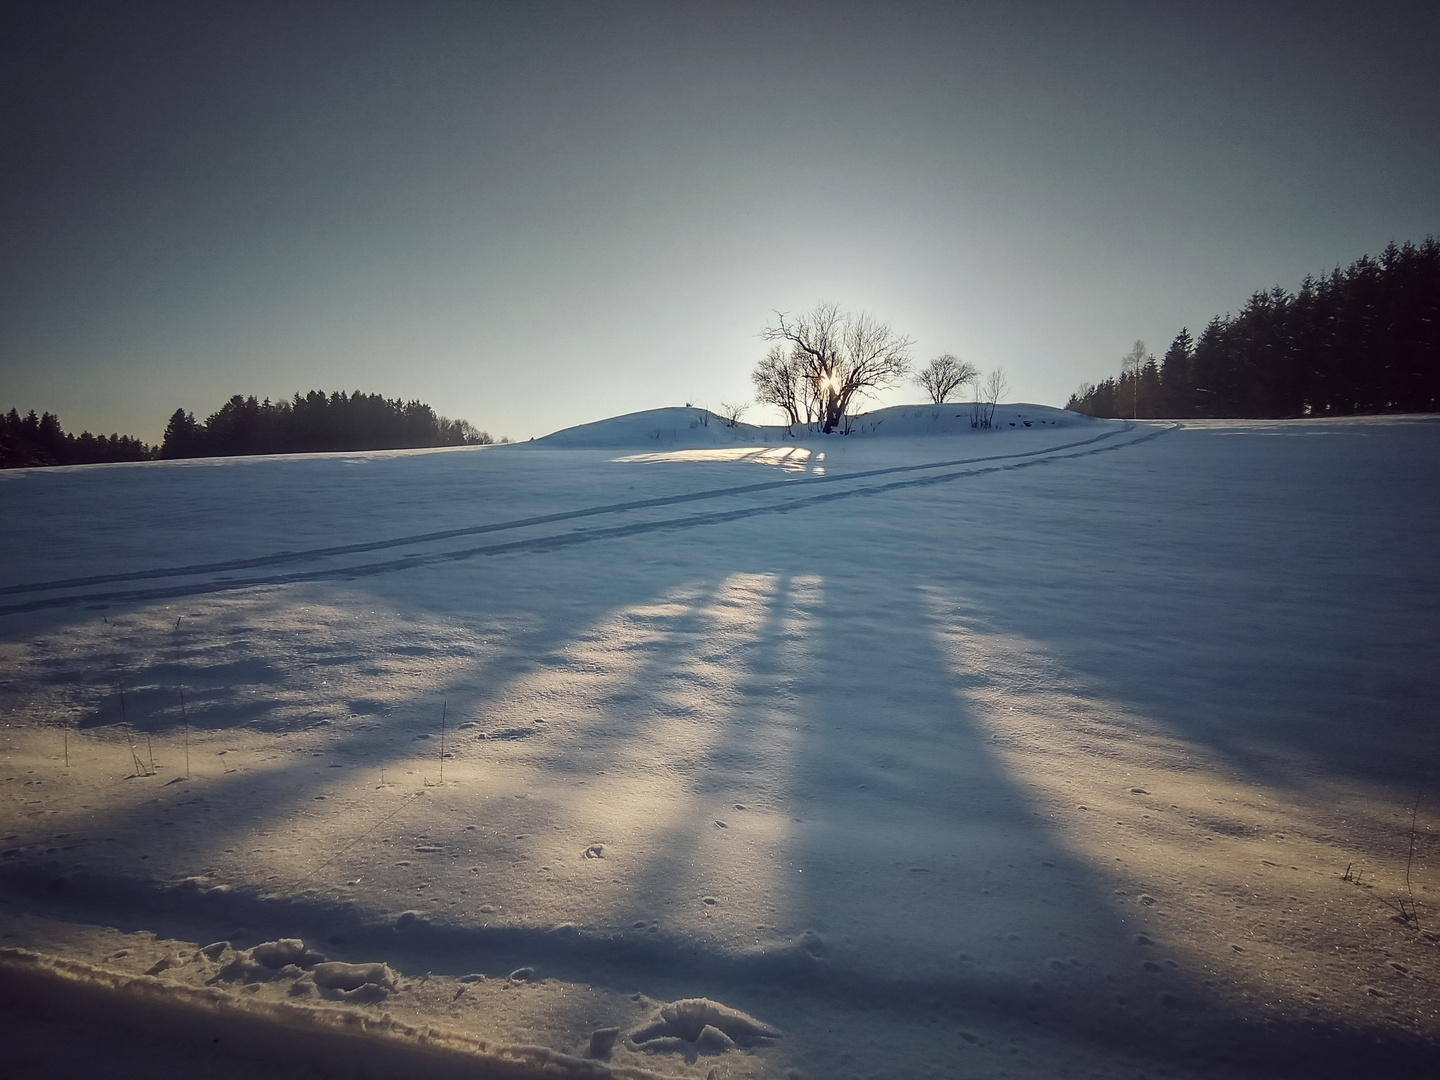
x=281, y=557
x=554, y=541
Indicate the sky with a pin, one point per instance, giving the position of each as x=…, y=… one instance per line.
x=533, y=215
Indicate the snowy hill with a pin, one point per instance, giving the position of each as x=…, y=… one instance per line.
x=699, y=428
x=659, y=748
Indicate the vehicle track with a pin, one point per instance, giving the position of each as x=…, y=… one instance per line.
x=282, y=557
x=1098, y=444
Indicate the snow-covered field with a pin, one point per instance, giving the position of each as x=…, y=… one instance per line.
x=1077, y=748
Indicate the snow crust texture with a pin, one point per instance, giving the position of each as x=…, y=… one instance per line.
x=1076, y=748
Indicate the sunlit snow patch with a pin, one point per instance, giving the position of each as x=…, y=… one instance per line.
x=788, y=458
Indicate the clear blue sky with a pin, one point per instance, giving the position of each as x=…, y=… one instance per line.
x=536, y=215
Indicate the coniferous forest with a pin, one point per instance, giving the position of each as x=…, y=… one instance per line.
x=1361, y=340
x=315, y=423
x=40, y=440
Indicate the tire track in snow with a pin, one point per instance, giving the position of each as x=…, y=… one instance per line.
x=282, y=557
x=559, y=541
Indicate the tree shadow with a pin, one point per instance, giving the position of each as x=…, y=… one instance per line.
x=910, y=872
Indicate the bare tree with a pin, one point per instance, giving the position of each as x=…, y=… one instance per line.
x=834, y=356
x=778, y=381
x=996, y=387
x=1131, y=364
x=943, y=375
x=987, y=396
x=731, y=414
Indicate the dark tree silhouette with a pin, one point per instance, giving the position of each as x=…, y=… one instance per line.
x=184, y=437
x=839, y=355
x=40, y=440
x=780, y=380
x=944, y=375
x=1361, y=340
x=315, y=423
x=1176, y=384
x=243, y=425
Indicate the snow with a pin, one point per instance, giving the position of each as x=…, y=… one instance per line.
x=921, y=750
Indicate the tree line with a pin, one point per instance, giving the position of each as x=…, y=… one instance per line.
x=1365, y=339
x=313, y=423
x=31, y=440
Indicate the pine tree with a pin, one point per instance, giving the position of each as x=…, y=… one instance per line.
x=184, y=437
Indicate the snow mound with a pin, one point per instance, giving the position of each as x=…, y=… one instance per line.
x=701, y=429
x=655, y=427
x=956, y=418
x=697, y=1026
x=692, y=1016
x=284, y=1038
x=310, y=971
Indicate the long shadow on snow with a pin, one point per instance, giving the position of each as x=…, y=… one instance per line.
x=879, y=759
x=276, y=793
x=1273, y=601
x=1295, y=1049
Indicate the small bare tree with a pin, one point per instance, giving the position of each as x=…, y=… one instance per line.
x=987, y=396
x=731, y=414
x=1130, y=366
x=996, y=387
x=943, y=375
x=834, y=356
